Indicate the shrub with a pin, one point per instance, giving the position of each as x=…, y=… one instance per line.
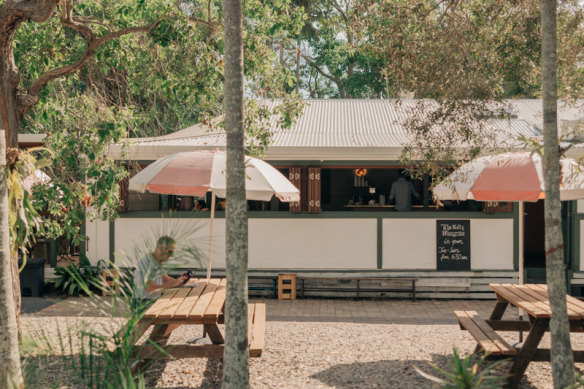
x=470, y=372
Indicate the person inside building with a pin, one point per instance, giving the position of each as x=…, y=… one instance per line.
x=402, y=191
x=200, y=205
x=150, y=277
x=185, y=203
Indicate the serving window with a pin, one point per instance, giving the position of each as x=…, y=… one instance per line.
x=327, y=189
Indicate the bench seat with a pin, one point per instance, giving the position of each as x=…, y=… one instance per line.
x=488, y=339
x=256, y=328
x=385, y=284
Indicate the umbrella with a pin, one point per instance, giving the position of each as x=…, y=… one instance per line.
x=195, y=173
x=509, y=177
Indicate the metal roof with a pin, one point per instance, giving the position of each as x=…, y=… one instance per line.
x=341, y=129
x=532, y=111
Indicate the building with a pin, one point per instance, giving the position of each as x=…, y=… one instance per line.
x=338, y=153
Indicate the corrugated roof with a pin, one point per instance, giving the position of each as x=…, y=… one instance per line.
x=347, y=124
x=532, y=111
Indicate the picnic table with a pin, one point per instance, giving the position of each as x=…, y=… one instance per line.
x=200, y=302
x=533, y=300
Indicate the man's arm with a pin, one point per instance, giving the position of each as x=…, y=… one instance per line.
x=416, y=194
x=167, y=283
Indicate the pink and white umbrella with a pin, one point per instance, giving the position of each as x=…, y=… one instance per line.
x=516, y=177
x=194, y=173
x=509, y=177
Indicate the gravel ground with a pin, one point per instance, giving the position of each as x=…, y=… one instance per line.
x=303, y=355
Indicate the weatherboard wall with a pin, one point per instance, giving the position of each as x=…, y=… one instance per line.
x=348, y=241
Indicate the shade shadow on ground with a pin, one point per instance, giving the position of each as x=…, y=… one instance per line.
x=35, y=304
x=387, y=374
x=211, y=378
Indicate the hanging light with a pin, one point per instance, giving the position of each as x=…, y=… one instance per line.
x=360, y=172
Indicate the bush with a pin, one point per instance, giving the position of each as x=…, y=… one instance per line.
x=74, y=279
x=470, y=372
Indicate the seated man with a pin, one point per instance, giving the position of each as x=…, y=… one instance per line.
x=150, y=277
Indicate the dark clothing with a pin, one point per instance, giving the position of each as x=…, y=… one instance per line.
x=402, y=191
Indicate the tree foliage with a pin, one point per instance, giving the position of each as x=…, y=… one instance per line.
x=468, y=57
x=139, y=84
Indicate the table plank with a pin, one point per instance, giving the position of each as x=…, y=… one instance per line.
x=570, y=299
x=189, y=302
x=160, y=304
x=574, y=312
x=217, y=303
x=174, y=303
x=520, y=299
x=205, y=298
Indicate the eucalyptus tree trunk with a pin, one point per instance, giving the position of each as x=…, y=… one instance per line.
x=236, y=354
x=561, y=352
x=9, y=352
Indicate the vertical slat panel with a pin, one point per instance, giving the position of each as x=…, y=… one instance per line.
x=304, y=190
x=314, y=189
x=294, y=176
x=317, y=190
x=310, y=189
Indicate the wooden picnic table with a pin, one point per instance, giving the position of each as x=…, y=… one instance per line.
x=533, y=300
x=199, y=302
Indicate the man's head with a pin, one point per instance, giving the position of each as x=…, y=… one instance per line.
x=164, y=248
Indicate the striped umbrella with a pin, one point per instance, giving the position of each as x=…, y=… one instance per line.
x=195, y=173
x=509, y=177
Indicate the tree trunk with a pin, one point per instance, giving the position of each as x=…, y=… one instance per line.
x=9, y=352
x=10, y=120
x=236, y=354
x=561, y=352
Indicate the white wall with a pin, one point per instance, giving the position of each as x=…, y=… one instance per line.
x=273, y=243
x=313, y=243
x=411, y=244
x=97, y=245
x=135, y=237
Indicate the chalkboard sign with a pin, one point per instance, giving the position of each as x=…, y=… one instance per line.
x=453, y=244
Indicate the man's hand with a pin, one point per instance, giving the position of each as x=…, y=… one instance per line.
x=183, y=279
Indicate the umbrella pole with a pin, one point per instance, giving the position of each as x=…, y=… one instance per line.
x=521, y=259
x=211, y=235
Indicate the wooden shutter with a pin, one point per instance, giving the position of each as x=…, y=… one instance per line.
x=295, y=177
x=314, y=189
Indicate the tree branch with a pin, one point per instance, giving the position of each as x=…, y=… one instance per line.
x=310, y=62
x=338, y=7
x=27, y=101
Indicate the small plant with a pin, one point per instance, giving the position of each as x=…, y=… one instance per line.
x=72, y=278
x=578, y=381
x=467, y=373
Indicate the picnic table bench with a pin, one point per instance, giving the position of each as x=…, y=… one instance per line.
x=199, y=302
x=533, y=300
x=383, y=284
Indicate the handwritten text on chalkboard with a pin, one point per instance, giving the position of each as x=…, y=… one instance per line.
x=453, y=244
